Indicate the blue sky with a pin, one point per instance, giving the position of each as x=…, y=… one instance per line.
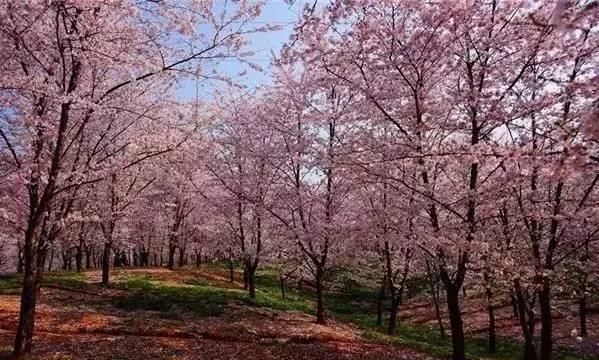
x=276, y=12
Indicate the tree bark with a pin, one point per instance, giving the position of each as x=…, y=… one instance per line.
x=379, y=303
x=106, y=263
x=252, y=284
x=182, y=261
x=490, y=312
x=198, y=258
x=79, y=256
x=29, y=294
x=393, y=316
x=582, y=314
x=320, y=318
x=527, y=323
x=282, y=285
x=249, y=277
x=246, y=281
x=171, y=256
x=51, y=260
x=546, y=321
x=456, y=324
x=231, y=269
x=33, y=259
x=88, y=256
x=20, y=258
x=514, y=305
x=434, y=286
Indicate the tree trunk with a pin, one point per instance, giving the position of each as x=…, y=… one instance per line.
x=546, y=321
x=65, y=260
x=29, y=294
x=231, y=270
x=393, y=315
x=88, y=256
x=246, y=280
x=582, y=313
x=182, y=260
x=20, y=256
x=249, y=277
x=252, y=283
x=171, y=256
x=456, y=324
x=282, y=285
x=79, y=256
x=527, y=323
x=106, y=263
x=435, y=294
x=198, y=258
x=490, y=313
x=514, y=305
x=320, y=296
x=438, y=315
x=379, y=303
x=51, y=260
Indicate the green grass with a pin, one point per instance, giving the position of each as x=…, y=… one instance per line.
x=64, y=278
x=12, y=283
x=201, y=300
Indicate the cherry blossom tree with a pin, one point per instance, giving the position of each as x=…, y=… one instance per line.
x=67, y=65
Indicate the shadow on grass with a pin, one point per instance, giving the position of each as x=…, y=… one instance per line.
x=201, y=300
x=198, y=298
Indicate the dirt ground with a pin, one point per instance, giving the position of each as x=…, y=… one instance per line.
x=83, y=324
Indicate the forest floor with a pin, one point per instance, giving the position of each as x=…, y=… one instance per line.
x=198, y=314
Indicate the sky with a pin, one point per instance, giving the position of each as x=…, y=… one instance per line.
x=276, y=12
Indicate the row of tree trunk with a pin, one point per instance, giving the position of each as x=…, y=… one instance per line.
x=83, y=257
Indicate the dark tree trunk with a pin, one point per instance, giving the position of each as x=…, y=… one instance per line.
x=433, y=280
x=527, y=323
x=320, y=319
x=455, y=321
x=490, y=313
x=282, y=285
x=379, y=303
x=65, y=259
x=246, y=281
x=582, y=313
x=171, y=256
x=135, y=258
x=249, y=277
x=514, y=302
x=438, y=315
x=106, y=263
x=20, y=257
x=51, y=260
x=33, y=268
x=79, y=256
x=182, y=261
x=198, y=258
x=546, y=321
x=231, y=270
x=393, y=315
x=252, y=283
x=88, y=257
